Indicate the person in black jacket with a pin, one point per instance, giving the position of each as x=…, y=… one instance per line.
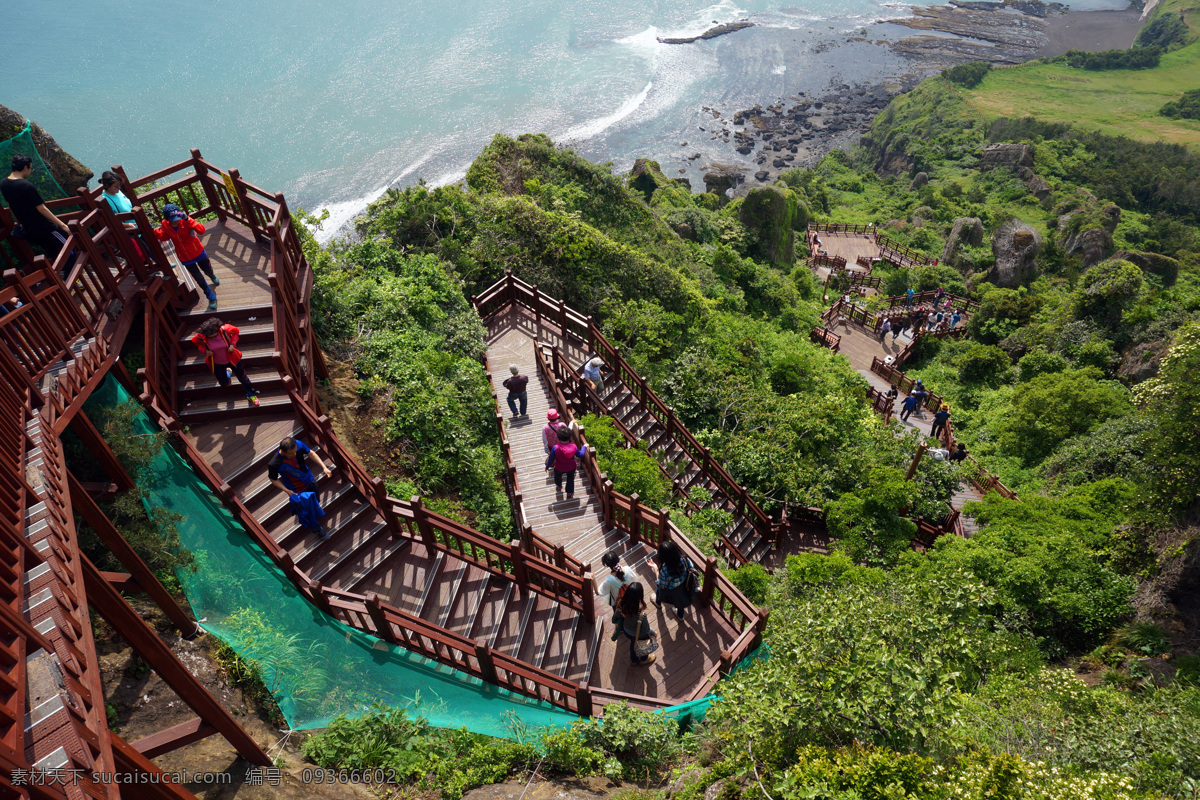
x=38, y=223
x=517, y=391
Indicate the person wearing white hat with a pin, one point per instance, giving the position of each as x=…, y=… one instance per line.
x=591, y=371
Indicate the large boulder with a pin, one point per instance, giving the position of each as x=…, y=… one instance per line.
x=1091, y=245
x=1006, y=154
x=1040, y=189
x=66, y=169
x=1015, y=246
x=1162, y=266
x=919, y=180
x=720, y=178
x=966, y=231
x=772, y=214
x=1141, y=361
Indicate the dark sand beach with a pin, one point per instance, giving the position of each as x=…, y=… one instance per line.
x=1090, y=30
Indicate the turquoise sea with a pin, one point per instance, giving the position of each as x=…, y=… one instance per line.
x=331, y=102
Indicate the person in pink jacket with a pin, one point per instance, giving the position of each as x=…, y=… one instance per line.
x=550, y=432
x=184, y=232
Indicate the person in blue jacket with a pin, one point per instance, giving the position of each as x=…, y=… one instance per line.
x=288, y=469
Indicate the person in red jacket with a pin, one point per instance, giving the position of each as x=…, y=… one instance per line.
x=184, y=232
x=219, y=344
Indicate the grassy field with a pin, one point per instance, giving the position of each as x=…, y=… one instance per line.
x=1117, y=102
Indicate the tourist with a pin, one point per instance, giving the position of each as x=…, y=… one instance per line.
x=218, y=343
x=955, y=318
x=920, y=394
x=635, y=626
x=184, y=233
x=674, y=569
x=891, y=395
x=939, y=420
x=908, y=297
x=288, y=469
x=550, y=432
x=960, y=454
x=564, y=459
x=591, y=371
x=37, y=222
x=939, y=453
x=111, y=193
x=885, y=329
x=518, y=391
x=938, y=295
x=610, y=589
x=908, y=407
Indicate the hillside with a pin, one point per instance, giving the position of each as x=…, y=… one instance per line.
x=1119, y=102
x=1050, y=655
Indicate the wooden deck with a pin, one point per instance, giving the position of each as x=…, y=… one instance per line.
x=690, y=647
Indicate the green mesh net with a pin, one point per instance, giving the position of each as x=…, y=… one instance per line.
x=22, y=144
x=316, y=667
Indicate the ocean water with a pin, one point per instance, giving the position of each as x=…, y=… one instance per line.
x=332, y=102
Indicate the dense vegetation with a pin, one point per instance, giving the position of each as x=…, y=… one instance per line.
x=1134, y=58
x=968, y=75
x=1186, y=107
x=1052, y=654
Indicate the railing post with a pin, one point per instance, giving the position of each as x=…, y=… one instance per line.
x=583, y=700
x=726, y=662
x=520, y=569
x=537, y=307
x=206, y=184
x=562, y=319
x=487, y=665
x=385, y=507
x=588, y=590
x=244, y=201
x=422, y=520
x=383, y=628
x=635, y=518
x=710, y=580
x=664, y=520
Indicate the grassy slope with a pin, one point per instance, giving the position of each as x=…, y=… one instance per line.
x=1117, y=102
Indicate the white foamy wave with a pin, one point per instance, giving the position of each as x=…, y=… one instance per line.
x=342, y=214
x=595, y=127
x=779, y=70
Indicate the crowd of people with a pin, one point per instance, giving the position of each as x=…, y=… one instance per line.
x=39, y=227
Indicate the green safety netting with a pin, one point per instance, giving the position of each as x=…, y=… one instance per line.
x=316, y=667
x=41, y=178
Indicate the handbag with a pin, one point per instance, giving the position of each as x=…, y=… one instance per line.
x=692, y=582
x=644, y=647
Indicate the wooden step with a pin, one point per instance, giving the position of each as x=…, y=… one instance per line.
x=374, y=534
x=336, y=499
x=465, y=609
x=257, y=357
x=351, y=574
x=490, y=613
x=556, y=654
x=537, y=628
x=510, y=632
x=261, y=330
x=235, y=315
x=350, y=525
x=455, y=578
x=203, y=387
x=236, y=403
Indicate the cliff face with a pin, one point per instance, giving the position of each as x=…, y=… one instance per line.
x=67, y=170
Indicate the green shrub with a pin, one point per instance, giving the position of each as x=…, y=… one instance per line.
x=1143, y=638
x=632, y=471
x=753, y=580
x=1186, y=107
x=968, y=75
x=1187, y=670
x=635, y=743
x=1167, y=30
x=986, y=364
x=1135, y=58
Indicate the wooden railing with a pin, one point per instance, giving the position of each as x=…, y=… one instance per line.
x=829, y=227
x=653, y=526
x=510, y=290
x=900, y=255
x=982, y=479
x=826, y=338
x=835, y=263
x=965, y=305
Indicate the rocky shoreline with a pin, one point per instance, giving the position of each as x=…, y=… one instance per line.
x=798, y=131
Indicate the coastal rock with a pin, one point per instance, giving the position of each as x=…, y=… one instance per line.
x=67, y=171
x=711, y=33
x=646, y=177
x=1015, y=246
x=773, y=214
x=895, y=162
x=919, y=180
x=720, y=178
x=762, y=175
x=684, y=231
x=1162, y=266
x=1006, y=154
x=965, y=231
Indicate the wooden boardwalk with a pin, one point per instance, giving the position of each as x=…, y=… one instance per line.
x=363, y=555
x=860, y=347
x=691, y=646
